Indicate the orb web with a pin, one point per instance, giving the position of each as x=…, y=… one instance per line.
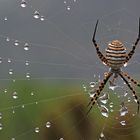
x=49, y=68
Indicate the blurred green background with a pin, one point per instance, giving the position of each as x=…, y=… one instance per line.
x=63, y=105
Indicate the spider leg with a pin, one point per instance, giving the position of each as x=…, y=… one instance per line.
x=133, y=91
x=131, y=79
x=101, y=56
x=98, y=91
x=130, y=54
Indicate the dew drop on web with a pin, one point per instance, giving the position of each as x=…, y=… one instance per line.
x=111, y=105
x=104, y=99
x=125, y=65
x=112, y=86
x=23, y=3
x=123, y=123
x=7, y=39
x=104, y=111
x=0, y=60
x=92, y=92
x=15, y=95
x=123, y=110
x=61, y=139
x=5, y=19
x=1, y=126
x=0, y=115
x=32, y=93
x=26, y=46
x=42, y=18
x=102, y=135
x=36, y=14
x=48, y=125
x=68, y=8
x=37, y=130
x=27, y=63
x=9, y=60
x=10, y=71
x=92, y=84
x=27, y=75
x=16, y=43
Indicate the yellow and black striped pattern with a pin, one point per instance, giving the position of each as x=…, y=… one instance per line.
x=116, y=54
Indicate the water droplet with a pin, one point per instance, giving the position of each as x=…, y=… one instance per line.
x=1, y=126
x=68, y=8
x=74, y=0
x=16, y=43
x=5, y=19
x=111, y=110
x=7, y=39
x=27, y=63
x=123, y=123
x=5, y=90
x=104, y=98
x=65, y=2
x=112, y=86
x=42, y=18
x=92, y=93
x=15, y=95
x=111, y=105
x=104, y=63
x=48, y=124
x=129, y=99
x=125, y=93
x=10, y=71
x=125, y=64
x=133, y=114
x=9, y=60
x=36, y=14
x=23, y=106
x=0, y=115
x=32, y=93
x=123, y=110
x=0, y=60
x=102, y=135
x=13, y=111
x=27, y=75
x=13, y=139
x=26, y=46
x=61, y=139
x=92, y=84
x=37, y=129
x=85, y=88
x=23, y=3
x=104, y=111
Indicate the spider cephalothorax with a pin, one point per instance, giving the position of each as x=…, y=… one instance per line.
x=115, y=58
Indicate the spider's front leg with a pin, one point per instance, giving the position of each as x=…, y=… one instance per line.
x=131, y=79
x=130, y=54
x=98, y=90
x=101, y=56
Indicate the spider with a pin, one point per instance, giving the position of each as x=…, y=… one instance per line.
x=116, y=57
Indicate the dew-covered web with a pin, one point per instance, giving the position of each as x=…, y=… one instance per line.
x=49, y=69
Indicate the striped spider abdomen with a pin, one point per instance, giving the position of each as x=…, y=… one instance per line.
x=116, y=54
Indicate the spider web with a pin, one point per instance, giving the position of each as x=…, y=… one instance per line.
x=48, y=67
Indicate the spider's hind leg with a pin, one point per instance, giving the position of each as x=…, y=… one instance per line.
x=98, y=91
x=133, y=91
x=131, y=79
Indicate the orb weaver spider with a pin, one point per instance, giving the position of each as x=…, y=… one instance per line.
x=116, y=57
